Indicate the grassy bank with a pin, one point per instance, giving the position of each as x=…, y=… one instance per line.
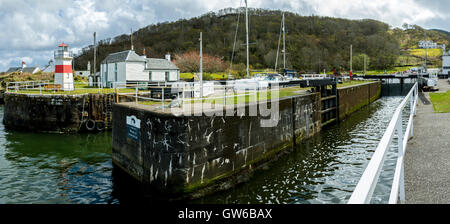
x=250, y=96
x=79, y=90
x=441, y=102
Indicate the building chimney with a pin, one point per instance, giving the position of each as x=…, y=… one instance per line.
x=168, y=56
x=143, y=53
x=24, y=65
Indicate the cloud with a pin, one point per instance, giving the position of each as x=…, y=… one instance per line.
x=33, y=29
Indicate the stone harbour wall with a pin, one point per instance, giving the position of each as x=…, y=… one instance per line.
x=353, y=98
x=191, y=156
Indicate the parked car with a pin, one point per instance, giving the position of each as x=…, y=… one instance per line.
x=274, y=77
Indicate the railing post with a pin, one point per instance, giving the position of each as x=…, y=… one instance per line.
x=412, y=115
x=182, y=103
x=401, y=154
x=162, y=95
x=136, y=94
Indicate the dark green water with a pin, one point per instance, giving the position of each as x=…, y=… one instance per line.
x=52, y=168
x=326, y=168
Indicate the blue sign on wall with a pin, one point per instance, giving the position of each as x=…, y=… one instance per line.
x=134, y=128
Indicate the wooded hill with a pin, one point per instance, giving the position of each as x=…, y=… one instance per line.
x=313, y=43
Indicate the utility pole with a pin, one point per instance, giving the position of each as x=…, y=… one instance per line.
x=201, y=65
x=426, y=54
x=351, y=57
x=131, y=40
x=351, y=61
x=95, y=57
x=246, y=28
x=365, y=61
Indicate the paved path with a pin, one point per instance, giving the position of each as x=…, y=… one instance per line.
x=427, y=158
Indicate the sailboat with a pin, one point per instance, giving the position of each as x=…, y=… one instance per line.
x=287, y=74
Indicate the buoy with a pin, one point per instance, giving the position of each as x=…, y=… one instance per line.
x=100, y=125
x=90, y=125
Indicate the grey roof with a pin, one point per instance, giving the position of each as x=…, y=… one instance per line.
x=158, y=63
x=123, y=56
x=19, y=69
x=29, y=69
x=14, y=69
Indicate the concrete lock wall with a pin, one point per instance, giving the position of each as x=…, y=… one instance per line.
x=54, y=113
x=191, y=156
x=353, y=98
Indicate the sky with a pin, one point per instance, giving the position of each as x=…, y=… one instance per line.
x=30, y=30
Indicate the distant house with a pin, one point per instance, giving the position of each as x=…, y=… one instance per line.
x=128, y=67
x=50, y=67
x=446, y=63
x=24, y=69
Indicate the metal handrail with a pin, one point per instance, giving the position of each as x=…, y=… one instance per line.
x=366, y=185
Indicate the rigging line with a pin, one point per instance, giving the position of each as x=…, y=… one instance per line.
x=278, y=50
x=235, y=39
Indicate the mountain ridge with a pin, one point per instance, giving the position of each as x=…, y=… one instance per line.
x=313, y=43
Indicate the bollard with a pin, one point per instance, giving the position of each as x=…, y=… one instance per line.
x=117, y=95
x=401, y=154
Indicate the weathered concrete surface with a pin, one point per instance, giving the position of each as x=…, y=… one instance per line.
x=53, y=113
x=191, y=156
x=353, y=98
x=427, y=158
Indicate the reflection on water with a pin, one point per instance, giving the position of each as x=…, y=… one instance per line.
x=49, y=168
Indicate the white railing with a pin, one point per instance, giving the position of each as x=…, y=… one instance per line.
x=216, y=91
x=366, y=185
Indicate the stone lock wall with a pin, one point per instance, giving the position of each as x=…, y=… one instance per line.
x=191, y=156
x=53, y=113
x=353, y=98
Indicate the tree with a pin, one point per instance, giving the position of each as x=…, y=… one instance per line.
x=358, y=62
x=190, y=62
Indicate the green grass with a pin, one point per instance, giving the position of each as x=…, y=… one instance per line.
x=152, y=103
x=430, y=52
x=389, y=71
x=441, y=102
x=240, y=98
x=206, y=76
x=78, y=91
x=352, y=83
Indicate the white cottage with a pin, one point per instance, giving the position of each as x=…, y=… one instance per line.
x=446, y=63
x=128, y=67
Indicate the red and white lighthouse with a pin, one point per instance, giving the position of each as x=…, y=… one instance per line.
x=63, y=67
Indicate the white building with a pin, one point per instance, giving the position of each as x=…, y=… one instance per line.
x=24, y=69
x=446, y=63
x=128, y=67
x=427, y=44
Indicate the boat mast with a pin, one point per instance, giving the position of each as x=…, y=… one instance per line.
x=284, y=43
x=201, y=64
x=246, y=28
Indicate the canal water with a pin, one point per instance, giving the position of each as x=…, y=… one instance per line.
x=54, y=168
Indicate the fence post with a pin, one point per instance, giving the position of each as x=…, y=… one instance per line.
x=412, y=114
x=162, y=95
x=182, y=104
x=136, y=94
x=401, y=154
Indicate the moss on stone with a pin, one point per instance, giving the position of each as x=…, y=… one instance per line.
x=258, y=162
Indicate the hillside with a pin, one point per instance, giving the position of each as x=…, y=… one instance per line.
x=313, y=43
